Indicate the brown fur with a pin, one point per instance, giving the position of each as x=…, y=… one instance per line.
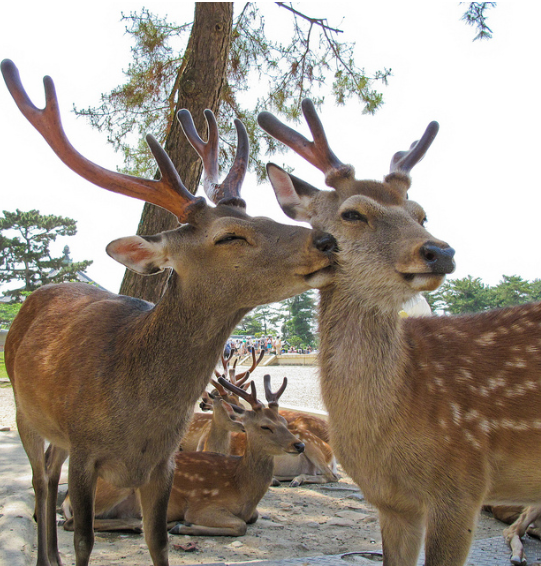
x=432, y=417
x=112, y=380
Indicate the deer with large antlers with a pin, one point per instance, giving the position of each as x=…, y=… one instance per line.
x=433, y=416
x=112, y=380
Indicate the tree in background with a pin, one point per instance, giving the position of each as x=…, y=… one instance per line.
x=470, y=295
x=476, y=16
x=298, y=327
x=211, y=63
x=25, y=239
x=215, y=60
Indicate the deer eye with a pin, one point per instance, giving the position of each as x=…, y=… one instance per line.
x=228, y=238
x=354, y=216
x=267, y=428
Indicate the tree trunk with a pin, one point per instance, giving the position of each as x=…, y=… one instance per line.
x=200, y=80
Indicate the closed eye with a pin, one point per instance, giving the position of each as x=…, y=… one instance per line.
x=267, y=428
x=228, y=238
x=354, y=216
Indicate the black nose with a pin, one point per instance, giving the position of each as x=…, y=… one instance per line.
x=325, y=242
x=438, y=258
x=299, y=447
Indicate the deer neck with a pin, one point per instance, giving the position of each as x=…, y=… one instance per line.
x=218, y=439
x=180, y=339
x=363, y=361
x=254, y=473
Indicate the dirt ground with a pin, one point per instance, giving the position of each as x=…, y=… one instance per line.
x=311, y=520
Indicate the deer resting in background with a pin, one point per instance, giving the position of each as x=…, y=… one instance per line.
x=431, y=416
x=217, y=494
x=112, y=380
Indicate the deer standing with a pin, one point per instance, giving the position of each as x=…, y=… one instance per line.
x=112, y=380
x=433, y=416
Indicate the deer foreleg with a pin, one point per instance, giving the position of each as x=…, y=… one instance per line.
x=514, y=533
x=154, y=500
x=34, y=447
x=54, y=458
x=401, y=537
x=449, y=533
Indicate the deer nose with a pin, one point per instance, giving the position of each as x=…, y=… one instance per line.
x=325, y=242
x=438, y=258
x=299, y=447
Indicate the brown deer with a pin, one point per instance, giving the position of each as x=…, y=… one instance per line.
x=431, y=416
x=112, y=380
x=217, y=494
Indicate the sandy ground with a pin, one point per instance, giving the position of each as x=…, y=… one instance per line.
x=311, y=520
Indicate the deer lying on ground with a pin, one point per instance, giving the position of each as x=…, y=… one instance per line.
x=217, y=494
x=112, y=380
x=316, y=464
x=432, y=416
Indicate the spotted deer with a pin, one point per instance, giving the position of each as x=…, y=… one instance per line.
x=112, y=380
x=432, y=416
x=215, y=494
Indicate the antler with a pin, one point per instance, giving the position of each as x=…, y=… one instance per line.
x=167, y=192
x=318, y=152
x=404, y=161
x=272, y=398
x=242, y=378
x=250, y=398
x=229, y=190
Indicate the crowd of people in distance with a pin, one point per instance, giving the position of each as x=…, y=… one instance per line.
x=241, y=346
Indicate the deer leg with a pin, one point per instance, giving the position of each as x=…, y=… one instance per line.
x=514, y=533
x=54, y=458
x=154, y=500
x=34, y=447
x=317, y=462
x=210, y=522
x=449, y=533
x=82, y=486
x=401, y=536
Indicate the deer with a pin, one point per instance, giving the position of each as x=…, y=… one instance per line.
x=317, y=464
x=434, y=416
x=111, y=380
x=217, y=495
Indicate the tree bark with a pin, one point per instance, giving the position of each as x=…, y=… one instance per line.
x=201, y=80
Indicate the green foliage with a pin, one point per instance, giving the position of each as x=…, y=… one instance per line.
x=469, y=295
x=3, y=372
x=292, y=71
x=298, y=326
x=475, y=16
x=8, y=312
x=25, y=239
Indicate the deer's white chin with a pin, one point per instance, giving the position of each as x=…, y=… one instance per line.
x=321, y=278
x=424, y=281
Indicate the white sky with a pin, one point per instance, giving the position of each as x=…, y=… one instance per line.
x=477, y=182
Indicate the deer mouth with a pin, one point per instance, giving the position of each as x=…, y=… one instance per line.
x=423, y=281
x=321, y=278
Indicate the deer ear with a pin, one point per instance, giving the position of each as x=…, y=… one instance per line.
x=145, y=255
x=293, y=194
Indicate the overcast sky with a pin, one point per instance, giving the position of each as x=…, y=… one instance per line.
x=478, y=183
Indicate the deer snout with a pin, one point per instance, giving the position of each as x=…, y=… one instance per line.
x=439, y=258
x=299, y=447
x=325, y=242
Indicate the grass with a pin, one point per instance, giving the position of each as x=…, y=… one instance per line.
x=3, y=372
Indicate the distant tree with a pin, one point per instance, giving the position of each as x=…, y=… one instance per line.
x=459, y=296
x=250, y=325
x=298, y=328
x=25, y=239
x=511, y=290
